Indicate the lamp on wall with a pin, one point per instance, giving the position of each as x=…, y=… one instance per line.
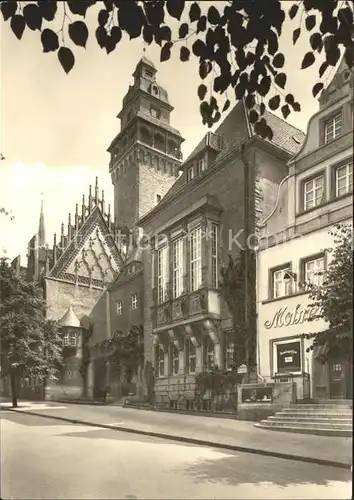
x=289, y=276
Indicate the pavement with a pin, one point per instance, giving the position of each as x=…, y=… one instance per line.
x=220, y=433
x=44, y=458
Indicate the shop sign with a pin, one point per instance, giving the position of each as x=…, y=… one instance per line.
x=285, y=317
x=289, y=357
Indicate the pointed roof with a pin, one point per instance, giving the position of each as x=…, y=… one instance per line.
x=70, y=319
x=41, y=228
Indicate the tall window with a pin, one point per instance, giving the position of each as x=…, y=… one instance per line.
x=119, y=308
x=177, y=262
x=313, y=192
x=333, y=127
x=195, y=259
x=190, y=173
x=134, y=300
x=174, y=359
x=200, y=165
x=162, y=264
x=280, y=287
x=155, y=113
x=314, y=270
x=159, y=361
x=214, y=256
x=208, y=352
x=229, y=350
x=344, y=180
x=190, y=356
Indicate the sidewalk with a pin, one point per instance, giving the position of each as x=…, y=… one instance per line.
x=216, y=432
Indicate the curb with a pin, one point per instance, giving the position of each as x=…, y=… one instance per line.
x=200, y=442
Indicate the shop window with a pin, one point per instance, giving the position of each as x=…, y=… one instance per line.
x=288, y=357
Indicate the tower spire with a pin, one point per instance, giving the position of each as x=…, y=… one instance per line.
x=41, y=227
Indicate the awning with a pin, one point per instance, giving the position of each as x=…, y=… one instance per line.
x=319, y=351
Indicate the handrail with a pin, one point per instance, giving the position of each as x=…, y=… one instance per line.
x=283, y=389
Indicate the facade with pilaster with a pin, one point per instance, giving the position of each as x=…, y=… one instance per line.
x=192, y=232
x=316, y=195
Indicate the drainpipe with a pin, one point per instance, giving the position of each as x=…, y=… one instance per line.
x=247, y=263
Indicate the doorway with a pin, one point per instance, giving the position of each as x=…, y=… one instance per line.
x=339, y=379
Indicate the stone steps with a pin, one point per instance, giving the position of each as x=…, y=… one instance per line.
x=332, y=418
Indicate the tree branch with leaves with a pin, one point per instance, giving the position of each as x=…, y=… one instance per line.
x=239, y=44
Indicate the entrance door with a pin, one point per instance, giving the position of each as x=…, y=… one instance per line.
x=338, y=379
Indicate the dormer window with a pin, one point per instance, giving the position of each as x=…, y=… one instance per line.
x=333, y=127
x=190, y=173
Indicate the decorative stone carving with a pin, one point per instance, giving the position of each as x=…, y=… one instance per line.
x=177, y=311
x=197, y=303
x=163, y=315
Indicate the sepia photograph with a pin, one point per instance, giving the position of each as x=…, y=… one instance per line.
x=176, y=249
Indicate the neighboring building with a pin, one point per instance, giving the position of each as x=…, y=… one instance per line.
x=316, y=194
x=193, y=229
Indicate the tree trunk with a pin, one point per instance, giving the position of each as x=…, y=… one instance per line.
x=13, y=380
x=84, y=384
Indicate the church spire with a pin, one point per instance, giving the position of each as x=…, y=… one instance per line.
x=41, y=228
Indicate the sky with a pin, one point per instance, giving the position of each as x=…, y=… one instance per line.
x=55, y=128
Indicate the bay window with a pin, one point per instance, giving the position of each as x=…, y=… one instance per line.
x=195, y=259
x=214, y=256
x=177, y=267
x=162, y=274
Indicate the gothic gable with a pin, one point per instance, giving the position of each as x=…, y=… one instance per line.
x=92, y=257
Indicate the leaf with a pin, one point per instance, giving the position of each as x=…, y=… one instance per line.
x=262, y=108
x=316, y=88
x=194, y=12
x=310, y=22
x=79, y=7
x=108, y=4
x=289, y=99
x=272, y=43
x=8, y=9
x=204, y=69
x=250, y=101
x=333, y=55
x=253, y=116
x=308, y=60
x=280, y=80
x=148, y=34
x=164, y=33
x=33, y=16
x=296, y=106
x=103, y=17
x=324, y=66
x=226, y=105
x=101, y=36
x=213, y=15
x=198, y=48
x=175, y=8
x=116, y=34
x=49, y=40
x=296, y=34
x=264, y=86
x=293, y=10
x=202, y=90
x=316, y=41
x=278, y=60
x=48, y=9
x=274, y=102
x=183, y=30
x=201, y=25
x=131, y=18
x=184, y=54
x=78, y=33
x=18, y=25
x=166, y=52
x=285, y=111
x=66, y=59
